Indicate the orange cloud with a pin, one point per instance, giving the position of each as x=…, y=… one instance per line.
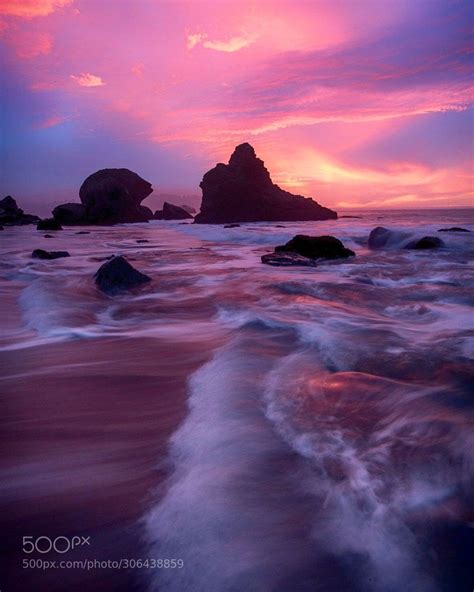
x=31, y=8
x=87, y=79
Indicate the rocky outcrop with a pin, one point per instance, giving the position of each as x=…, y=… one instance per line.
x=108, y=196
x=171, y=212
x=307, y=250
x=454, y=229
x=41, y=254
x=427, y=242
x=12, y=215
x=49, y=224
x=242, y=191
x=117, y=275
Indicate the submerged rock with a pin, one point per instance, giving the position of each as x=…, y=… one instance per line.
x=286, y=259
x=232, y=226
x=108, y=196
x=242, y=191
x=42, y=254
x=381, y=237
x=427, y=242
x=117, y=275
x=307, y=250
x=454, y=229
x=12, y=215
x=48, y=224
x=172, y=212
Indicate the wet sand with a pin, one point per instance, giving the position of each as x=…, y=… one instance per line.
x=85, y=426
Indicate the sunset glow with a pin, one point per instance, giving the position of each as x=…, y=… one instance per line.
x=357, y=104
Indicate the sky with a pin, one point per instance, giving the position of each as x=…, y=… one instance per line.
x=356, y=103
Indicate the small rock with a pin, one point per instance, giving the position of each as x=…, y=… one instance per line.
x=427, y=242
x=117, y=275
x=48, y=236
x=49, y=224
x=82, y=232
x=142, y=240
x=454, y=229
x=41, y=254
x=172, y=212
x=232, y=226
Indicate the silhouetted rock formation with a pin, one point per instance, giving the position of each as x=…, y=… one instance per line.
x=117, y=275
x=189, y=209
x=12, y=215
x=242, y=191
x=49, y=224
x=427, y=242
x=172, y=212
x=70, y=213
x=41, y=254
x=108, y=196
x=306, y=250
x=454, y=229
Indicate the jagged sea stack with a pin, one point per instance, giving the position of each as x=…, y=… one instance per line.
x=242, y=191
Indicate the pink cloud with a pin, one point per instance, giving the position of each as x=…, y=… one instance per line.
x=229, y=46
x=87, y=79
x=53, y=121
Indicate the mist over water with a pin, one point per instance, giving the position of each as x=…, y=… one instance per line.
x=327, y=444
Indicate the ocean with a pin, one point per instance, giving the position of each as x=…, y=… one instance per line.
x=270, y=429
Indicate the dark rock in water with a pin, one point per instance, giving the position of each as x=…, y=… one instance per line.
x=83, y=232
x=306, y=250
x=172, y=212
x=49, y=224
x=48, y=236
x=316, y=247
x=41, y=254
x=11, y=214
x=117, y=275
x=358, y=217
x=242, y=191
x=232, y=226
x=70, y=213
x=454, y=229
x=108, y=196
x=427, y=242
x=286, y=259
x=280, y=226
x=142, y=240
